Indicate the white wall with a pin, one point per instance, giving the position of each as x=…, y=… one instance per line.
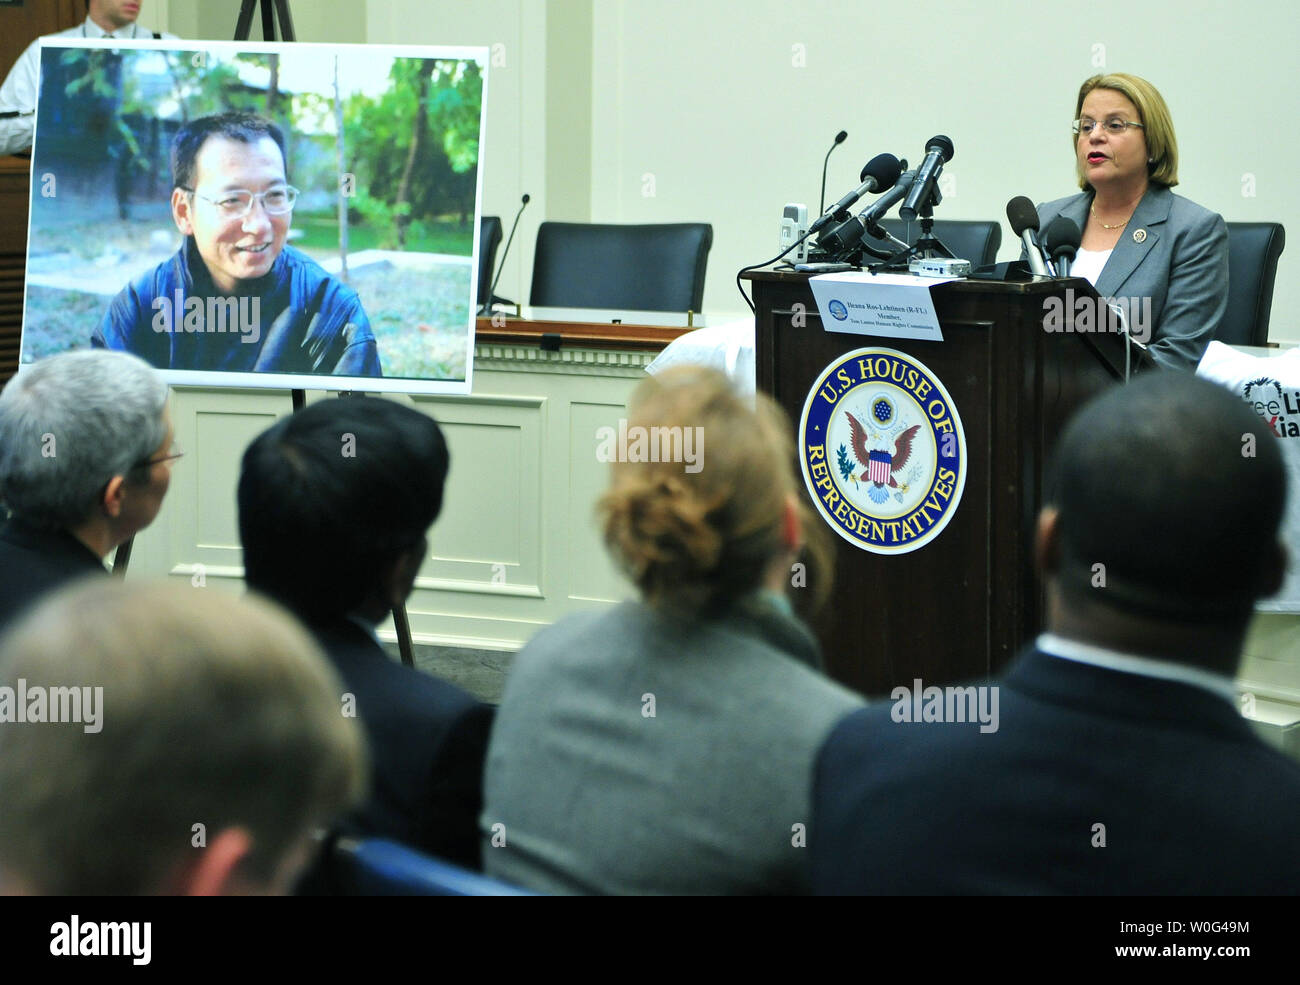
x=516, y=142
x=716, y=100
x=214, y=20
x=721, y=110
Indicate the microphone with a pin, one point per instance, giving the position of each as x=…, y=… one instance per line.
x=839, y=139
x=501, y=261
x=880, y=173
x=1062, y=241
x=938, y=151
x=850, y=232
x=1024, y=223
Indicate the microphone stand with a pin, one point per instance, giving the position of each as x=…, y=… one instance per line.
x=926, y=246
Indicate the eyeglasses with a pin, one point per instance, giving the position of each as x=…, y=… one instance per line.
x=1114, y=126
x=237, y=203
x=171, y=456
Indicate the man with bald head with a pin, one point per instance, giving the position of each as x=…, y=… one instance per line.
x=1119, y=763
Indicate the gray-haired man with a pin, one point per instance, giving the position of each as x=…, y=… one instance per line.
x=86, y=447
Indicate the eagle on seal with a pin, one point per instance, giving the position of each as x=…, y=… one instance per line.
x=880, y=465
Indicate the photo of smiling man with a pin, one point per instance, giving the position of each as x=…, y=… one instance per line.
x=235, y=297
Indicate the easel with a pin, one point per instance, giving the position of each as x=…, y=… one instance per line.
x=270, y=10
x=280, y=9
x=245, y=21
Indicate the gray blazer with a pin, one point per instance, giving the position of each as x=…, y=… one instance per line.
x=636, y=753
x=1181, y=265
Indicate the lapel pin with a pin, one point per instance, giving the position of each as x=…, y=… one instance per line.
x=1139, y=235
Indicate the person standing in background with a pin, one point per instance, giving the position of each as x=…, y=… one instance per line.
x=112, y=19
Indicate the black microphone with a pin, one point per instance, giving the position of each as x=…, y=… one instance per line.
x=1024, y=223
x=1062, y=241
x=880, y=173
x=849, y=233
x=839, y=139
x=501, y=262
x=938, y=151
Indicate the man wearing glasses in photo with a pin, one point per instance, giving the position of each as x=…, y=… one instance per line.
x=86, y=457
x=235, y=298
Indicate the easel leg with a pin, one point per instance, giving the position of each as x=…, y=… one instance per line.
x=122, y=557
x=403, y=627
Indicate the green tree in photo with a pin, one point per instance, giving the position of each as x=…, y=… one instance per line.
x=417, y=164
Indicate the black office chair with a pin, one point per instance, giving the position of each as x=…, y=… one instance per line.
x=1253, y=252
x=976, y=241
x=639, y=268
x=489, y=238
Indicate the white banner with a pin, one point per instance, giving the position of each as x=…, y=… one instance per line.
x=1271, y=387
x=892, y=306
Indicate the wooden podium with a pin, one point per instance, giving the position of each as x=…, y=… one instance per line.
x=962, y=605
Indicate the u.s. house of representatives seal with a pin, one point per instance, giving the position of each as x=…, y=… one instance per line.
x=883, y=450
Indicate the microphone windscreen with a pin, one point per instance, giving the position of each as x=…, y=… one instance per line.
x=944, y=145
x=1022, y=215
x=885, y=168
x=1062, y=237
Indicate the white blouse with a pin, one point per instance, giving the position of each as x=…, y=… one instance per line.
x=1088, y=263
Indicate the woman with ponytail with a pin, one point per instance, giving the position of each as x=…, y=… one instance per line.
x=666, y=745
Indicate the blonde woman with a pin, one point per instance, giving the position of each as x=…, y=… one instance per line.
x=1167, y=256
x=666, y=745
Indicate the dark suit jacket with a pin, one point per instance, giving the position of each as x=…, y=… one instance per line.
x=1192, y=801
x=34, y=561
x=1181, y=265
x=428, y=739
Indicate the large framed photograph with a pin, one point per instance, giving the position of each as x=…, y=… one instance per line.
x=260, y=214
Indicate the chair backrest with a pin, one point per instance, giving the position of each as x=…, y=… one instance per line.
x=1253, y=251
x=973, y=240
x=489, y=238
x=639, y=268
x=379, y=867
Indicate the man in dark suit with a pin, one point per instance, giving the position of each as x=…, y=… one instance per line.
x=1118, y=762
x=85, y=461
x=334, y=505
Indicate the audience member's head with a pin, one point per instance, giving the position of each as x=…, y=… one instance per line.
x=1162, y=513
x=334, y=505
x=211, y=744
x=86, y=445
x=717, y=515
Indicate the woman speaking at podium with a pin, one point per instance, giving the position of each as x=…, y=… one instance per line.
x=1163, y=257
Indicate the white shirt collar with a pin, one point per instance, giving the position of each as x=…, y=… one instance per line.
x=89, y=29
x=1132, y=663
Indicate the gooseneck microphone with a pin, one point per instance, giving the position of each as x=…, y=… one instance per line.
x=1024, y=223
x=501, y=263
x=938, y=152
x=879, y=174
x=839, y=139
x=1062, y=241
x=849, y=233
